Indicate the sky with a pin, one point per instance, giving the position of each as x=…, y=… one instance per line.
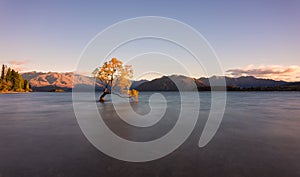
x=258, y=37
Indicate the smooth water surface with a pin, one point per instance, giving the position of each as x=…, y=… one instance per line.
x=259, y=136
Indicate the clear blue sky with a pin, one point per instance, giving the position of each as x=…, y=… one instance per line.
x=50, y=35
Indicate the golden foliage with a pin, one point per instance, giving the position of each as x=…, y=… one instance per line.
x=116, y=76
x=134, y=94
x=109, y=69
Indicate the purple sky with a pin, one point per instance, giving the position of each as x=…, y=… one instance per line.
x=50, y=35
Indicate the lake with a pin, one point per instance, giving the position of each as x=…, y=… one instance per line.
x=259, y=136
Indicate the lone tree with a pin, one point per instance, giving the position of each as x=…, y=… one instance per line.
x=115, y=78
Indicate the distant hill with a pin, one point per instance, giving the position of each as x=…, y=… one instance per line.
x=50, y=81
x=293, y=84
x=244, y=82
x=135, y=84
x=248, y=83
x=166, y=83
x=53, y=80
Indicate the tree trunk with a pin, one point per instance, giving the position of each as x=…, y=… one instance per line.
x=105, y=92
x=102, y=97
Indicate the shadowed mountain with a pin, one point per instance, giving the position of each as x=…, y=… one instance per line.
x=244, y=82
x=166, y=83
x=293, y=84
x=135, y=84
x=248, y=83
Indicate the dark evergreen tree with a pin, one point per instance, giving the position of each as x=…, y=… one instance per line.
x=8, y=75
x=13, y=81
x=26, y=85
x=3, y=72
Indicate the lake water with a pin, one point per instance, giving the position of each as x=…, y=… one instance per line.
x=259, y=136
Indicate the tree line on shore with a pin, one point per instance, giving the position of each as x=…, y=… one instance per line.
x=12, y=81
x=256, y=89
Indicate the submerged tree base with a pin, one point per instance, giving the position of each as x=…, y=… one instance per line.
x=131, y=94
x=102, y=97
x=101, y=100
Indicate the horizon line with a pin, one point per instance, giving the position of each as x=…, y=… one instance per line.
x=199, y=77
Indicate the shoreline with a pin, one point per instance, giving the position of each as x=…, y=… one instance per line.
x=10, y=92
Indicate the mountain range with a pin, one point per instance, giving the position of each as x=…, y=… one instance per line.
x=245, y=83
x=40, y=81
x=167, y=83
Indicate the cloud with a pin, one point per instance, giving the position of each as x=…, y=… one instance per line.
x=18, y=65
x=276, y=72
x=18, y=62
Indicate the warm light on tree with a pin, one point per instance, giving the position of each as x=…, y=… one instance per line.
x=12, y=81
x=116, y=79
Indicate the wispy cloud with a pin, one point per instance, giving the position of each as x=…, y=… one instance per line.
x=18, y=62
x=276, y=72
x=18, y=65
